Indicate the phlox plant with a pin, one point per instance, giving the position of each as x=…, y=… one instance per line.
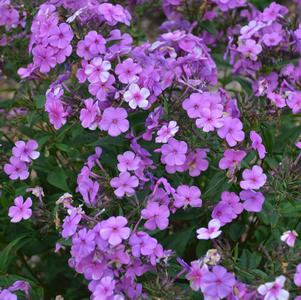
x=150, y=149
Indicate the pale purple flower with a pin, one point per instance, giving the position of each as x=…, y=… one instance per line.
x=83, y=243
x=26, y=151
x=166, y=132
x=95, y=42
x=174, y=152
x=252, y=201
x=127, y=71
x=231, y=159
x=142, y=244
x=21, y=210
x=253, y=179
x=128, y=161
x=211, y=232
x=250, y=49
x=257, y=144
x=44, y=58
x=223, y=212
x=16, y=169
x=105, y=289
x=83, y=50
x=294, y=102
x=209, y=119
x=7, y=295
x=218, y=283
x=193, y=105
x=70, y=224
x=297, y=276
x=277, y=99
x=114, y=230
x=274, y=11
x=114, y=14
x=187, y=195
x=272, y=39
x=89, y=113
x=274, y=290
x=56, y=112
x=124, y=184
x=136, y=96
x=196, y=162
x=197, y=273
x=156, y=216
x=114, y=121
x=60, y=36
x=231, y=131
x=289, y=237
x=102, y=89
x=97, y=70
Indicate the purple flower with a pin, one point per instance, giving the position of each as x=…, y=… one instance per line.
x=156, y=216
x=231, y=131
x=274, y=11
x=102, y=89
x=174, y=152
x=56, y=111
x=114, y=231
x=274, y=290
x=114, y=14
x=142, y=244
x=223, y=212
x=21, y=210
x=197, y=274
x=257, y=144
x=97, y=70
x=209, y=119
x=127, y=71
x=7, y=295
x=44, y=58
x=114, y=121
x=16, y=169
x=211, y=232
x=272, y=39
x=196, y=162
x=218, y=283
x=89, y=113
x=193, y=105
x=95, y=42
x=124, y=184
x=231, y=159
x=197, y=102
x=136, y=96
x=70, y=224
x=187, y=195
x=166, y=132
x=253, y=201
x=26, y=151
x=297, y=276
x=105, y=289
x=83, y=243
x=60, y=36
x=128, y=161
x=294, y=102
x=250, y=49
x=289, y=237
x=254, y=178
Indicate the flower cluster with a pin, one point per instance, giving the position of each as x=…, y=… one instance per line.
x=23, y=155
x=159, y=144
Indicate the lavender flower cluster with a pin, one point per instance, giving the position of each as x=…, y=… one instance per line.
x=88, y=48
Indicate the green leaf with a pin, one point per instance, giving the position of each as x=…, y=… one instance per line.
x=58, y=178
x=40, y=101
x=7, y=254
